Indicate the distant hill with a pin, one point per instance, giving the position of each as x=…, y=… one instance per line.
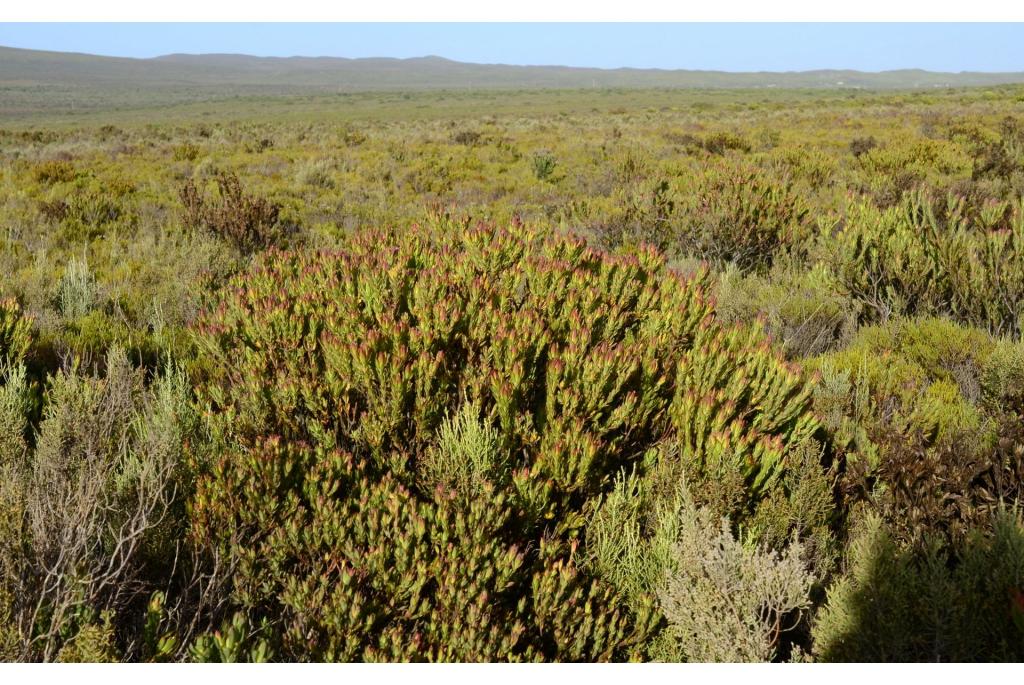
x=24, y=68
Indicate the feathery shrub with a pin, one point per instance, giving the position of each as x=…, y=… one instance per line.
x=900, y=603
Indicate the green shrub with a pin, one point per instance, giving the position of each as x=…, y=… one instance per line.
x=1002, y=376
x=912, y=260
x=630, y=536
x=186, y=152
x=800, y=309
x=316, y=173
x=339, y=495
x=738, y=213
x=15, y=333
x=544, y=166
x=54, y=171
x=235, y=642
x=77, y=293
x=921, y=376
x=807, y=164
x=91, y=644
x=723, y=141
x=87, y=213
x=925, y=604
x=645, y=217
x=467, y=455
x=1001, y=157
x=893, y=171
x=15, y=406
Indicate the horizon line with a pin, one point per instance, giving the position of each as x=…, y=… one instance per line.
x=505, y=64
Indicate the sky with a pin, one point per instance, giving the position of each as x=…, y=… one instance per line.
x=726, y=47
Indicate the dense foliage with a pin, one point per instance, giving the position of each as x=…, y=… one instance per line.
x=719, y=381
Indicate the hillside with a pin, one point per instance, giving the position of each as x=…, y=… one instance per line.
x=32, y=67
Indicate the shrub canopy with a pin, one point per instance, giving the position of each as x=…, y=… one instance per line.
x=537, y=367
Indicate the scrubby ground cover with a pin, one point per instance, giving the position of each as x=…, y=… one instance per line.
x=691, y=377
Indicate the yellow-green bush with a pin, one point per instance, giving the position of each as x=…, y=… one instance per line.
x=15, y=333
x=800, y=309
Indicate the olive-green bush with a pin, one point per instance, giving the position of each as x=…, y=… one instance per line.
x=740, y=214
x=911, y=259
x=898, y=603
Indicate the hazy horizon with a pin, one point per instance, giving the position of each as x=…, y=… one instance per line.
x=719, y=47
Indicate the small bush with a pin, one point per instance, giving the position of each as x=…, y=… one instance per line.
x=15, y=333
x=914, y=260
x=544, y=166
x=97, y=498
x=860, y=146
x=467, y=456
x=738, y=214
x=800, y=309
x=259, y=145
x=56, y=171
x=247, y=222
x=77, y=293
x=720, y=143
x=186, y=152
x=466, y=137
x=316, y=173
x=726, y=601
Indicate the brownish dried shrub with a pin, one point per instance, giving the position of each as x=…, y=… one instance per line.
x=248, y=222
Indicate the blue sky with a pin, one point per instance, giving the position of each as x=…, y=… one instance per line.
x=729, y=47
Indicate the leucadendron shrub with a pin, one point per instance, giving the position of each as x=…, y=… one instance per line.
x=412, y=430
x=930, y=256
x=737, y=213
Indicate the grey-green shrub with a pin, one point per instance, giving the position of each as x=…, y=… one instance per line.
x=77, y=293
x=723, y=598
x=726, y=600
